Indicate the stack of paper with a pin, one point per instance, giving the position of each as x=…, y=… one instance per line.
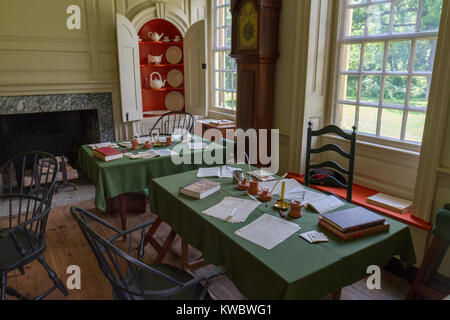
x=233, y=210
x=268, y=231
x=164, y=152
x=292, y=186
x=103, y=145
x=219, y=172
x=142, y=155
x=314, y=237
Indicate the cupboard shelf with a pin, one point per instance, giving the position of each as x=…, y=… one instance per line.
x=171, y=43
x=161, y=65
x=163, y=89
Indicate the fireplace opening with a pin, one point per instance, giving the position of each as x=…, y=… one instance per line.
x=60, y=133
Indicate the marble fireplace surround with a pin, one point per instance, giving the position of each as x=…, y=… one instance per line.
x=102, y=102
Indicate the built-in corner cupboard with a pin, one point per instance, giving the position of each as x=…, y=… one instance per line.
x=162, y=63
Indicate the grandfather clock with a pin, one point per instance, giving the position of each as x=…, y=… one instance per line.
x=255, y=48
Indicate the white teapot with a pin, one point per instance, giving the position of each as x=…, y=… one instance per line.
x=157, y=83
x=154, y=59
x=155, y=36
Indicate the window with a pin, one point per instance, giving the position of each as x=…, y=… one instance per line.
x=224, y=67
x=387, y=51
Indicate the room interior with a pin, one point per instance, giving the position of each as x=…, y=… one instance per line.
x=81, y=75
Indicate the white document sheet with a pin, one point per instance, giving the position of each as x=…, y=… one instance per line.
x=291, y=186
x=164, y=152
x=217, y=172
x=233, y=210
x=268, y=231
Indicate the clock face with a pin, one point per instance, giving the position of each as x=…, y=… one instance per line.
x=248, y=26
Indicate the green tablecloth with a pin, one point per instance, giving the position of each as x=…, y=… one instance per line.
x=116, y=177
x=294, y=269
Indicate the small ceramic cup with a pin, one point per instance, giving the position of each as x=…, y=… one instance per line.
x=296, y=209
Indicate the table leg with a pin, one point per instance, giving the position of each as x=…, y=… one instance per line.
x=149, y=236
x=185, y=264
x=123, y=213
x=166, y=247
x=184, y=254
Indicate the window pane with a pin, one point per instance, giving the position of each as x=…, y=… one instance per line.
x=431, y=15
x=373, y=56
x=420, y=88
x=368, y=118
x=220, y=17
x=346, y=116
x=370, y=89
x=357, y=19
x=349, y=88
x=228, y=81
x=425, y=52
x=379, y=18
x=228, y=38
x=415, y=126
x=229, y=100
x=351, y=55
x=399, y=55
x=228, y=16
x=220, y=38
x=357, y=1
x=405, y=15
x=228, y=62
x=395, y=90
x=391, y=123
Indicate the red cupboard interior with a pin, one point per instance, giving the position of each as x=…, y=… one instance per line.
x=153, y=99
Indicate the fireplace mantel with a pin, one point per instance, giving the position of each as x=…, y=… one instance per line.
x=102, y=102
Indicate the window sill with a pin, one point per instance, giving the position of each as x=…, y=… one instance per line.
x=359, y=197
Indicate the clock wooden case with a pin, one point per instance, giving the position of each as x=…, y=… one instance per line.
x=255, y=48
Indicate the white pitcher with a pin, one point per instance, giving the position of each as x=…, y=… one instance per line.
x=157, y=83
x=155, y=36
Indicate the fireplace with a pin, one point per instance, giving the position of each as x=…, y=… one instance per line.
x=58, y=124
x=60, y=133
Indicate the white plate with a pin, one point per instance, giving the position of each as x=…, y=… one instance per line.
x=175, y=101
x=175, y=78
x=174, y=55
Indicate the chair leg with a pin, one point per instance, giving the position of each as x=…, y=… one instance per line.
x=337, y=295
x=430, y=264
x=13, y=293
x=58, y=283
x=3, y=286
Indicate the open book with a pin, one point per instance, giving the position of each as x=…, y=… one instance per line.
x=217, y=172
x=324, y=204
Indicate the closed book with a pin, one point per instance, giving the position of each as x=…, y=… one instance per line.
x=389, y=202
x=200, y=189
x=107, y=154
x=355, y=234
x=353, y=219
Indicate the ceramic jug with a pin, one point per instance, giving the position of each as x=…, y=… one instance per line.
x=157, y=83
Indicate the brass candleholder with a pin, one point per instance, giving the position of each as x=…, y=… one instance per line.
x=282, y=205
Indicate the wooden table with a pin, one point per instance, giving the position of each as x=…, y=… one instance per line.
x=295, y=269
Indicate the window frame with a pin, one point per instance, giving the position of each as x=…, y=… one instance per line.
x=214, y=69
x=385, y=39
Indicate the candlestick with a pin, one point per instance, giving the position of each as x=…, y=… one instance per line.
x=283, y=189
